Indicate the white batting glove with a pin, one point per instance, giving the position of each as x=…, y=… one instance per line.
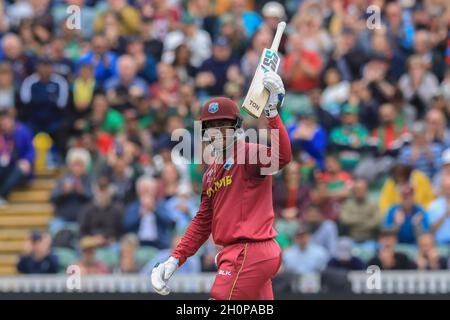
x=161, y=274
x=273, y=83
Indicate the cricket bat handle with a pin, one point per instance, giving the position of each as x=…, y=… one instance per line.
x=276, y=40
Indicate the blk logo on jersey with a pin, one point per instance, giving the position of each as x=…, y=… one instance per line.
x=218, y=184
x=224, y=273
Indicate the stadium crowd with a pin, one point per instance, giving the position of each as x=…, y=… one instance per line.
x=367, y=110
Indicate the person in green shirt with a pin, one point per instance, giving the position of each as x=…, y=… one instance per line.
x=350, y=138
x=103, y=117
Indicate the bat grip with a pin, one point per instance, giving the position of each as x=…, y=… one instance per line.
x=276, y=40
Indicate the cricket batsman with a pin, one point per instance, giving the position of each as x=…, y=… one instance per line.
x=236, y=205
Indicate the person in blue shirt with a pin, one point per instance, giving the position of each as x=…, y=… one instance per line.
x=307, y=135
x=408, y=219
x=439, y=212
x=16, y=154
x=103, y=60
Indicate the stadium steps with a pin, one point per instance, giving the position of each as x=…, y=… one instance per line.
x=28, y=209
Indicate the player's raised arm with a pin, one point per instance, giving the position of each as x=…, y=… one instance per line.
x=270, y=160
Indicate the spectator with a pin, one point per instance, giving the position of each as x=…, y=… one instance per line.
x=186, y=72
x=343, y=258
x=323, y=232
x=59, y=12
x=273, y=13
x=128, y=246
x=350, y=138
x=290, y=195
x=73, y=190
x=101, y=58
x=304, y=256
x=16, y=154
x=103, y=117
x=216, y=71
x=122, y=90
x=197, y=40
x=61, y=64
x=147, y=217
x=337, y=180
x=146, y=64
x=183, y=207
x=8, y=94
x=421, y=154
x=88, y=263
x=439, y=212
x=38, y=258
x=418, y=85
x=387, y=258
x=102, y=217
x=336, y=92
x=359, y=216
x=400, y=175
x=432, y=58
x=127, y=15
x=390, y=136
x=301, y=67
x=12, y=49
x=428, y=257
x=45, y=96
x=325, y=119
x=408, y=219
x=321, y=198
x=249, y=19
x=436, y=128
x=307, y=135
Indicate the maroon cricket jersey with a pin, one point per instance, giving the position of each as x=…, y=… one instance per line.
x=236, y=200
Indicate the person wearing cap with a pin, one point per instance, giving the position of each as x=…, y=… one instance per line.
x=38, y=259
x=251, y=256
x=308, y=136
x=197, y=40
x=439, y=209
x=421, y=154
x=44, y=95
x=407, y=218
x=16, y=154
x=386, y=257
x=349, y=139
x=88, y=263
x=215, y=71
x=304, y=256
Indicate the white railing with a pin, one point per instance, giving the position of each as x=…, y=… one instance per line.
x=103, y=283
x=390, y=282
x=401, y=282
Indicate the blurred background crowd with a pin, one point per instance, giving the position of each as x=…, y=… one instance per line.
x=367, y=110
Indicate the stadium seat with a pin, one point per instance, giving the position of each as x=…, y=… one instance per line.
x=108, y=256
x=408, y=249
x=145, y=254
x=364, y=254
x=66, y=257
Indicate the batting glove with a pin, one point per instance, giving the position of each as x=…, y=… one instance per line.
x=273, y=83
x=161, y=274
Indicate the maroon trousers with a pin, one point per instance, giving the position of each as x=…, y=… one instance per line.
x=245, y=271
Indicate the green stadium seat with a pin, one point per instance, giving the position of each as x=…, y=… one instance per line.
x=408, y=249
x=145, y=254
x=66, y=257
x=108, y=256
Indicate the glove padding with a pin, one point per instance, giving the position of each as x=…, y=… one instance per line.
x=273, y=83
x=161, y=274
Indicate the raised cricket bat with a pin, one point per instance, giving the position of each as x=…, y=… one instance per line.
x=257, y=95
